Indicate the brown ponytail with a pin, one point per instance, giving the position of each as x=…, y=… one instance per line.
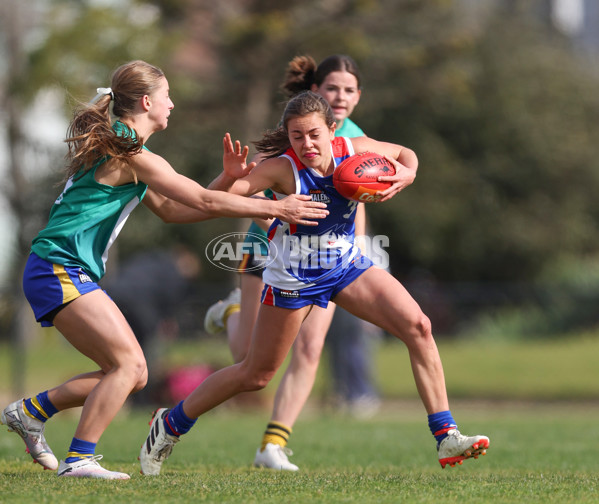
x=90, y=135
x=299, y=75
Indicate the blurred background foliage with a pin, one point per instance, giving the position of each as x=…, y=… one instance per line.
x=500, y=106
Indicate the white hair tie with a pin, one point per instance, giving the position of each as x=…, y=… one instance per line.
x=102, y=91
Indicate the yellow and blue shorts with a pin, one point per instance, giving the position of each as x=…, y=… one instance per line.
x=50, y=287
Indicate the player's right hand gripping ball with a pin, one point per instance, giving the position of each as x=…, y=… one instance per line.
x=356, y=178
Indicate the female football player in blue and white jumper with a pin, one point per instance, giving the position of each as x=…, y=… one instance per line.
x=337, y=79
x=311, y=267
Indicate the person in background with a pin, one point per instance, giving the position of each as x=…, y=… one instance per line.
x=302, y=155
x=109, y=172
x=337, y=79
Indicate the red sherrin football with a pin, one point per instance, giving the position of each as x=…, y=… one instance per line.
x=356, y=178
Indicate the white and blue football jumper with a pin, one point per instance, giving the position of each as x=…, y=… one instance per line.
x=310, y=264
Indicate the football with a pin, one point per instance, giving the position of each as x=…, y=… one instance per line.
x=356, y=178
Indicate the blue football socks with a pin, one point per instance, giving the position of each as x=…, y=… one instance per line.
x=177, y=422
x=440, y=423
x=80, y=449
x=39, y=407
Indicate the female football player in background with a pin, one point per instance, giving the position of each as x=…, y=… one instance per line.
x=109, y=172
x=302, y=154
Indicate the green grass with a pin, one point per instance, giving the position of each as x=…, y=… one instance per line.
x=537, y=402
x=539, y=453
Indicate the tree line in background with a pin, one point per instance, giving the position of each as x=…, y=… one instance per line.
x=498, y=105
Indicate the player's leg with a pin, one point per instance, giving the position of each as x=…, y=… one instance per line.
x=298, y=380
x=217, y=316
x=268, y=349
x=74, y=391
x=53, y=292
x=241, y=323
x=376, y=296
x=94, y=325
x=294, y=389
x=28, y=416
x=236, y=314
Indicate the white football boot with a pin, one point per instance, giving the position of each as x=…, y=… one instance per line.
x=88, y=468
x=214, y=319
x=31, y=431
x=158, y=445
x=274, y=456
x=456, y=448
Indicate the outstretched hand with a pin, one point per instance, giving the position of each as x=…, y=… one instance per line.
x=235, y=158
x=300, y=209
x=403, y=178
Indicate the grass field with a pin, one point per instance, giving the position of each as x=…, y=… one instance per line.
x=537, y=402
x=538, y=453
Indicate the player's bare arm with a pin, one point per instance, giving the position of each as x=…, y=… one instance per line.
x=159, y=175
x=403, y=159
x=171, y=211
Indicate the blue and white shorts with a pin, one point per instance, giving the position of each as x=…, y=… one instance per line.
x=49, y=287
x=319, y=294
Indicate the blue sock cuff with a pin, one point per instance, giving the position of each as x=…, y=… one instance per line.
x=441, y=422
x=39, y=407
x=45, y=403
x=80, y=449
x=81, y=446
x=177, y=422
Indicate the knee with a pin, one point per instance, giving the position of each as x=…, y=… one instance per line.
x=142, y=380
x=253, y=380
x=307, y=353
x=419, y=328
x=136, y=371
x=260, y=380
